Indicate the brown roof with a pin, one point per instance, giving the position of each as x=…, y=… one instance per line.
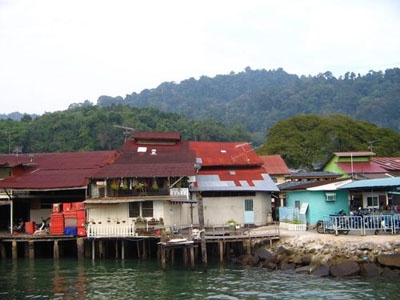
x=54, y=170
x=151, y=160
x=274, y=164
x=156, y=135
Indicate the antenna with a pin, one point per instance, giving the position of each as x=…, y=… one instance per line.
x=127, y=131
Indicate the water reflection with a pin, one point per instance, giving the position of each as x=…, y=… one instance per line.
x=133, y=279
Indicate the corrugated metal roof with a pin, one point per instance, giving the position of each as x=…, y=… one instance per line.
x=238, y=180
x=225, y=154
x=373, y=183
x=361, y=167
x=140, y=160
x=309, y=184
x=55, y=170
x=275, y=165
x=388, y=163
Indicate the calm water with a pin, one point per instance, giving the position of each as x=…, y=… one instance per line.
x=133, y=279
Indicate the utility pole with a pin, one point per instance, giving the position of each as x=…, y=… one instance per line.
x=202, y=231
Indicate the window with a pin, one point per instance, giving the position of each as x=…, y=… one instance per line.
x=372, y=201
x=248, y=205
x=147, y=209
x=330, y=197
x=142, y=209
x=134, y=209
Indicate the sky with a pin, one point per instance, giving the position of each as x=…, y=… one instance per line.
x=54, y=53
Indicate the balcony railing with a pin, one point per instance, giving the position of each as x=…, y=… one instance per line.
x=111, y=230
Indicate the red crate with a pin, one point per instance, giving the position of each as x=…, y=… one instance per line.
x=81, y=222
x=30, y=227
x=82, y=231
x=78, y=205
x=81, y=213
x=71, y=214
x=66, y=206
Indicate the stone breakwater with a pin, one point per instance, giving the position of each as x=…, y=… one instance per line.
x=328, y=255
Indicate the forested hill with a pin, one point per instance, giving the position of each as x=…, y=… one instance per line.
x=257, y=99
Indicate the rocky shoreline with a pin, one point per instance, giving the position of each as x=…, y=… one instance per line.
x=327, y=255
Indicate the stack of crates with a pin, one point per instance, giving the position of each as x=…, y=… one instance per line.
x=68, y=219
x=57, y=220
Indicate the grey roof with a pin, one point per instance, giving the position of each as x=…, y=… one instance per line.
x=373, y=183
x=214, y=183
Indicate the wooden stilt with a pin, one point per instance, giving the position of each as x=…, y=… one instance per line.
x=172, y=251
x=116, y=249
x=2, y=250
x=144, y=254
x=122, y=249
x=80, y=248
x=93, y=249
x=221, y=251
x=31, y=249
x=191, y=256
x=101, y=250
x=138, y=249
x=14, y=249
x=163, y=259
x=56, y=250
x=185, y=256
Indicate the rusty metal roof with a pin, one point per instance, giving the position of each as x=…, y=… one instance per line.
x=141, y=160
x=361, y=167
x=275, y=165
x=388, y=163
x=54, y=170
x=214, y=154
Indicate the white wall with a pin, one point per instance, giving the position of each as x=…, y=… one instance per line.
x=217, y=211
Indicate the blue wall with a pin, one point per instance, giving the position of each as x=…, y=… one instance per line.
x=318, y=207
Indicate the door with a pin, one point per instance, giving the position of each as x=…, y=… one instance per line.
x=248, y=211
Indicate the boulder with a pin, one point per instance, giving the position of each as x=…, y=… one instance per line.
x=264, y=254
x=321, y=271
x=389, y=273
x=303, y=270
x=345, y=268
x=389, y=260
x=287, y=266
x=244, y=259
x=370, y=270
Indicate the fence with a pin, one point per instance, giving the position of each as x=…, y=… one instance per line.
x=373, y=223
x=291, y=215
x=97, y=230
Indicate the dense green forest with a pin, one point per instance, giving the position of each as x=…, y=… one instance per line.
x=88, y=127
x=304, y=119
x=307, y=141
x=258, y=99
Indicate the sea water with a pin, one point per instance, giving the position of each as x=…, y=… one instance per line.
x=135, y=279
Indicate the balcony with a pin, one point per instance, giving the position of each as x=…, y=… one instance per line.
x=123, y=188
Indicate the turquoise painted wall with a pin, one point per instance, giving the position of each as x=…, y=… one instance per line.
x=318, y=207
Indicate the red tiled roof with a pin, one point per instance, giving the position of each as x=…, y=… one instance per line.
x=361, y=167
x=274, y=164
x=388, y=163
x=225, y=154
x=54, y=170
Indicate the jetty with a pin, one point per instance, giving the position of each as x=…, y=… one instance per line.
x=221, y=243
